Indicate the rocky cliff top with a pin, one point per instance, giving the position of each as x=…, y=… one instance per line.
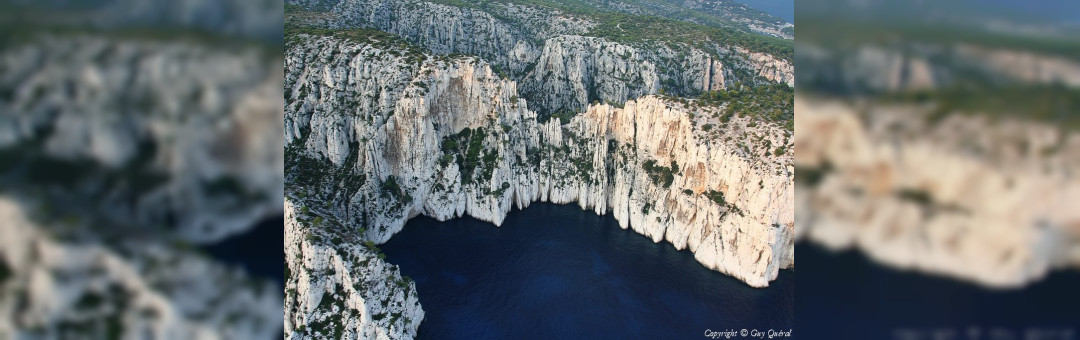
x=984, y=200
x=456, y=111
x=735, y=16
x=550, y=49
x=376, y=135
x=116, y=155
x=164, y=133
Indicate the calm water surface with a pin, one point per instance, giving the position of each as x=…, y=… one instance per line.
x=846, y=296
x=557, y=272
x=784, y=9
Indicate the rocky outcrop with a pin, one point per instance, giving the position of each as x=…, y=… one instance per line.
x=248, y=20
x=911, y=66
x=173, y=134
x=375, y=138
x=124, y=151
x=58, y=289
x=1023, y=66
x=984, y=201
x=572, y=71
x=766, y=66
x=546, y=52
x=341, y=288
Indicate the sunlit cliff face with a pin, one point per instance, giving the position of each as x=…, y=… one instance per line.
x=963, y=197
x=953, y=150
x=120, y=149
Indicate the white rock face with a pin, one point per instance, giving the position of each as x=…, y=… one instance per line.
x=572, y=70
x=377, y=137
x=61, y=289
x=767, y=66
x=162, y=133
x=991, y=203
x=1024, y=66
x=338, y=288
x=923, y=66
x=545, y=51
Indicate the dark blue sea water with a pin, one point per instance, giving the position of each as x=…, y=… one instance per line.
x=784, y=9
x=258, y=251
x=557, y=272
x=845, y=296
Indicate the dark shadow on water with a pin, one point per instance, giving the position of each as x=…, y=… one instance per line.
x=557, y=272
x=259, y=251
x=846, y=296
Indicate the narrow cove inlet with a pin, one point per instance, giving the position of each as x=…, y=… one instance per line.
x=556, y=271
x=388, y=117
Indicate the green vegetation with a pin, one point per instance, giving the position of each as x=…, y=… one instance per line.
x=303, y=170
x=41, y=171
x=661, y=175
x=330, y=325
x=564, y=117
x=290, y=8
x=5, y=271
x=378, y=252
x=303, y=173
x=105, y=309
x=402, y=283
x=89, y=301
x=318, y=6
x=771, y=102
x=475, y=163
x=502, y=189
x=390, y=189
x=1054, y=104
x=973, y=91
x=854, y=32
x=925, y=200
x=376, y=38
x=779, y=151
x=919, y=197
x=371, y=246
x=716, y=196
x=626, y=28
x=812, y=176
x=669, y=26
x=19, y=27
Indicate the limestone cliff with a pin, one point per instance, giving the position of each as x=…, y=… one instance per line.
x=118, y=156
x=163, y=133
x=340, y=287
x=561, y=64
x=883, y=68
x=60, y=289
x=992, y=202
x=375, y=136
